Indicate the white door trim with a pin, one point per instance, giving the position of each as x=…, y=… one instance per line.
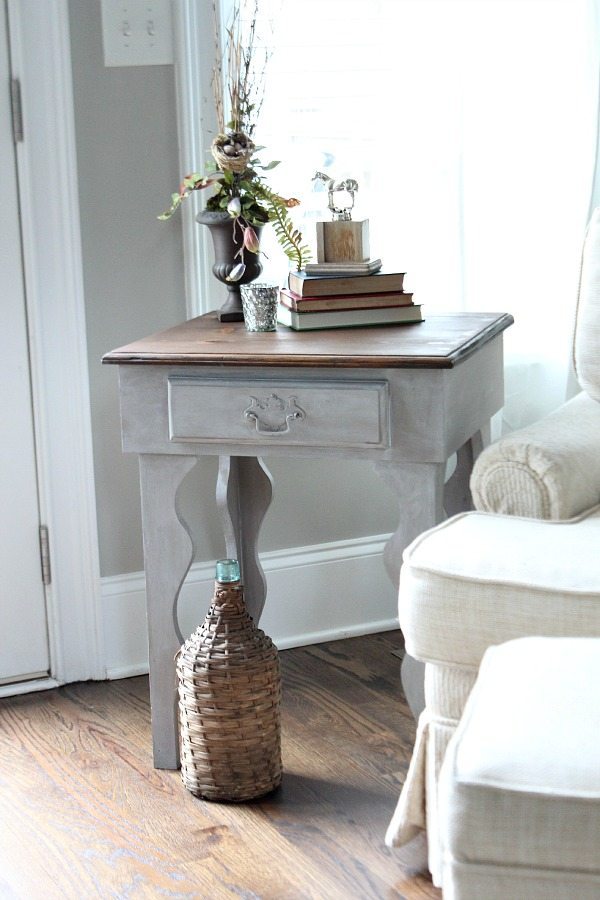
x=48, y=190
x=196, y=121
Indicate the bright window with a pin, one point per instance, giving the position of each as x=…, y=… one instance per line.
x=471, y=126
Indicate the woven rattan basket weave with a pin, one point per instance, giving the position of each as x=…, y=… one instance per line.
x=229, y=704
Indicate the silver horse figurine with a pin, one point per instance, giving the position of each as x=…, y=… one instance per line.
x=340, y=212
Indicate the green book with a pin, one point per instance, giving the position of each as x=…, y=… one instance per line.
x=349, y=318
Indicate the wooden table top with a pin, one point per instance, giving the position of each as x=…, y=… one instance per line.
x=437, y=343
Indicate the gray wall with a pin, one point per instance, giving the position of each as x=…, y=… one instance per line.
x=128, y=167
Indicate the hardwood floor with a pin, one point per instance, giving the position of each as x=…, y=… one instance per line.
x=84, y=815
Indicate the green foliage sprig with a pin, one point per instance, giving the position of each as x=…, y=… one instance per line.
x=250, y=202
x=290, y=238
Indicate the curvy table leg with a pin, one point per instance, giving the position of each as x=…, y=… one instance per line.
x=244, y=493
x=168, y=553
x=424, y=501
x=457, y=496
x=419, y=488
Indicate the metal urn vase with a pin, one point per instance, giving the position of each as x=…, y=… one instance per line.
x=227, y=241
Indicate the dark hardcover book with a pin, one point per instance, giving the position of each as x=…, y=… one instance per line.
x=344, y=301
x=333, y=285
x=359, y=318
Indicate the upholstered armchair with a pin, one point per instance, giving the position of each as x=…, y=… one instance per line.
x=524, y=563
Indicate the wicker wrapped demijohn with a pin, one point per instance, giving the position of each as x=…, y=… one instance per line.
x=229, y=700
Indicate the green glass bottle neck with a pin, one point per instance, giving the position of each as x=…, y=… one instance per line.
x=227, y=571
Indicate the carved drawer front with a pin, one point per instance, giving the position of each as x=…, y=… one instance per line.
x=308, y=413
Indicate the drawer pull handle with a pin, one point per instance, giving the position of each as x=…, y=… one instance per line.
x=273, y=415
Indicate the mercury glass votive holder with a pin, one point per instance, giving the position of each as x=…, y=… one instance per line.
x=259, y=303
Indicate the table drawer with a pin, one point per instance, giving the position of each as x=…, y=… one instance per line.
x=310, y=413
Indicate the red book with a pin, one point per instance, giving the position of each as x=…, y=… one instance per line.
x=343, y=302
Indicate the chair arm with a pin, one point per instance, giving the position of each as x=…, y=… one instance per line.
x=549, y=470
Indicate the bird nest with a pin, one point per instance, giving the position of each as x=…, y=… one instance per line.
x=232, y=152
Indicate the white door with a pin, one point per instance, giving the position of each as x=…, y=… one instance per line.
x=23, y=623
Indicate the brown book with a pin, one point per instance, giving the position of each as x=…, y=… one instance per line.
x=335, y=285
x=343, y=302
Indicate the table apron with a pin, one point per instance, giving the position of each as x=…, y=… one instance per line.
x=378, y=414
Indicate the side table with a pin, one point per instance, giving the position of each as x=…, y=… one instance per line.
x=404, y=398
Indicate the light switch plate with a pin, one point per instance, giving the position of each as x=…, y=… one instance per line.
x=137, y=32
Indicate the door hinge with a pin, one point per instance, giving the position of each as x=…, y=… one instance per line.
x=45, y=554
x=16, y=110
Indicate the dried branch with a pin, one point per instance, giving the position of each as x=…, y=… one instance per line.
x=238, y=76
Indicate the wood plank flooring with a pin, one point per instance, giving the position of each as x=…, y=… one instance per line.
x=83, y=814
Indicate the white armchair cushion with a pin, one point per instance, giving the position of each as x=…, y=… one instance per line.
x=520, y=784
x=550, y=470
x=587, y=331
x=477, y=580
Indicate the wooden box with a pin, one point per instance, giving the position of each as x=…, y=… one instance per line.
x=343, y=241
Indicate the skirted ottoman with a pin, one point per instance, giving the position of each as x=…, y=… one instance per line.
x=519, y=790
x=475, y=581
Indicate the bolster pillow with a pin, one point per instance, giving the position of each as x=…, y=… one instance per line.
x=549, y=470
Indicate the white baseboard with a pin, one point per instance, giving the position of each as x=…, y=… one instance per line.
x=28, y=687
x=316, y=594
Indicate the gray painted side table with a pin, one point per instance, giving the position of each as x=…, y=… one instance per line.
x=404, y=398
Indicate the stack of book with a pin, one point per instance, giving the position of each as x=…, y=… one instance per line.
x=317, y=298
